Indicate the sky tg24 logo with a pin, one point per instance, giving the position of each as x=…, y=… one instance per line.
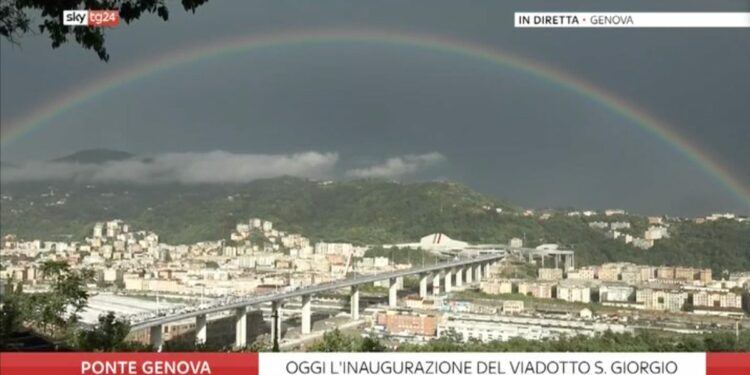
x=91, y=18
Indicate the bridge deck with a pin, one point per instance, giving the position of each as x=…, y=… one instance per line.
x=317, y=288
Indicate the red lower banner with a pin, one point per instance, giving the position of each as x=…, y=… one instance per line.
x=728, y=364
x=374, y=363
x=129, y=363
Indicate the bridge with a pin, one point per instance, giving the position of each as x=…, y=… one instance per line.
x=458, y=270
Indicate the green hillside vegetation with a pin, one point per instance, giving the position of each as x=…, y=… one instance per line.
x=359, y=211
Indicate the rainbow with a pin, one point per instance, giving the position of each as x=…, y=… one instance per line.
x=170, y=60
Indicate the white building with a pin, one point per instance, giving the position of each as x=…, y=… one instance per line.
x=656, y=233
x=616, y=293
x=333, y=248
x=488, y=328
x=267, y=226
x=617, y=225
x=574, y=293
x=440, y=241
x=513, y=307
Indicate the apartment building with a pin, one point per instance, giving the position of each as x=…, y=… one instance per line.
x=407, y=322
x=587, y=273
x=717, y=299
x=538, y=289
x=616, y=293
x=666, y=273
x=574, y=293
x=496, y=287
x=609, y=273
x=550, y=274
x=672, y=300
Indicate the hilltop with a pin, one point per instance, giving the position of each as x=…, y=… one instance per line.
x=94, y=156
x=359, y=211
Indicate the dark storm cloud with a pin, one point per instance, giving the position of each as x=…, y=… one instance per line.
x=506, y=133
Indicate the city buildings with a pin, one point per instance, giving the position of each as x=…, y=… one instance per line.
x=261, y=258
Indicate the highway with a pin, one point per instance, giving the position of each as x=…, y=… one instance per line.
x=315, y=289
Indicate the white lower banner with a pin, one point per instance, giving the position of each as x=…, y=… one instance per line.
x=632, y=19
x=482, y=363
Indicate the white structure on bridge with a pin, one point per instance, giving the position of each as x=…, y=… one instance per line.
x=433, y=242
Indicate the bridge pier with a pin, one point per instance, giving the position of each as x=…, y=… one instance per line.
x=469, y=275
x=200, y=329
x=436, y=283
x=557, y=260
x=478, y=273
x=354, y=302
x=423, y=285
x=569, y=262
x=306, y=314
x=155, y=337
x=240, y=327
x=459, y=277
x=448, y=280
x=572, y=261
x=275, y=321
x=393, y=293
x=486, y=271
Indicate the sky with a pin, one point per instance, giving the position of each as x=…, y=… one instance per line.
x=351, y=110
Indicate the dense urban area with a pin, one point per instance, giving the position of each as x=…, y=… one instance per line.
x=123, y=287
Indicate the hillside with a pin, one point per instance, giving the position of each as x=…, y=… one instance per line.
x=94, y=156
x=360, y=211
x=367, y=211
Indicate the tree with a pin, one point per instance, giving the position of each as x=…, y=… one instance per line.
x=370, y=344
x=261, y=345
x=11, y=317
x=15, y=18
x=56, y=310
x=336, y=341
x=108, y=336
x=333, y=341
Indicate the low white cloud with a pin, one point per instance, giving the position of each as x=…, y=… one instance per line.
x=398, y=166
x=210, y=167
